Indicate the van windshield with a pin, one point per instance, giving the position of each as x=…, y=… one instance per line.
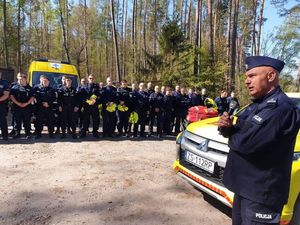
x=54, y=78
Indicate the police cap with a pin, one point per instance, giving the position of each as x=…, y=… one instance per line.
x=257, y=61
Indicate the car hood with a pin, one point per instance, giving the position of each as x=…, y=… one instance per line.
x=208, y=128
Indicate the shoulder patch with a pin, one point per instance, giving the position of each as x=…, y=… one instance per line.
x=257, y=119
x=272, y=101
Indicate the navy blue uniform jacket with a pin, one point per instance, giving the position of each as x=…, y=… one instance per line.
x=261, y=150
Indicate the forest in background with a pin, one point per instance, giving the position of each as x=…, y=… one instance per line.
x=197, y=43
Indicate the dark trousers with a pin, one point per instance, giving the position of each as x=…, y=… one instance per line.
x=68, y=118
x=123, y=118
x=109, y=122
x=58, y=120
x=179, y=120
x=45, y=116
x=3, y=121
x=22, y=115
x=90, y=111
x=142, y=122
x=168, y=122
x=247, y=212
x=159, y=122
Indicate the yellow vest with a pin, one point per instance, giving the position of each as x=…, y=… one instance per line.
x=122, y=108
x=133, y=118
x=111, y=108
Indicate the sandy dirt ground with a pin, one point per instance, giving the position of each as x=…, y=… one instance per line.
x=99, y=182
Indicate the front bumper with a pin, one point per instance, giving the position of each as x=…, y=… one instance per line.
x=217, y=191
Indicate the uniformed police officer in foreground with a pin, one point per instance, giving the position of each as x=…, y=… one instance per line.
x=261, y=145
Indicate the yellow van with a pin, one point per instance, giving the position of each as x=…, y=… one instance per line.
x=54, y=70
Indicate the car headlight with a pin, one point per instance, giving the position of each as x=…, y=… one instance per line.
x=296, y=156
x=178, y=144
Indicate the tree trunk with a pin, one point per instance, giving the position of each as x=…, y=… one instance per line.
x=216, y=25
x=144, y=31
x=155, y=30
x=253, y=44
x=124, y=41
x=189, y=5
x=228, y=53
x=233, y=43
x=5, y=35
x=133, y=35
x=185, y=8
x=115, y=40
x=86, y=56
x=262, y=2
x=106, y=39
x=63, y=31
x=19, y=37
x=210, y=31
x=198, y=38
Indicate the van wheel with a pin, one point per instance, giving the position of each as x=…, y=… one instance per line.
x=296, y=215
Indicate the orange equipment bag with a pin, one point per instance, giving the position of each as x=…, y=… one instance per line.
x=197, y=113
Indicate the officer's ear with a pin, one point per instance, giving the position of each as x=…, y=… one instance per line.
x=272, y=76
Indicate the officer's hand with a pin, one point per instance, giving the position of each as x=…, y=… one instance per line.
x=156, y=109
x=225, y=121
x=76, y=109
x=21, y=105
x=45, y=104
x=60, y=108
x=92, y=102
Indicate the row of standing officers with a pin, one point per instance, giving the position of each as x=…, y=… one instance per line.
x=119, y=107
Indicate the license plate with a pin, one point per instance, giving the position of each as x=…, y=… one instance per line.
x=200, y=162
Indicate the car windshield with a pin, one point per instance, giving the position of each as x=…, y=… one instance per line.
x=54, y=78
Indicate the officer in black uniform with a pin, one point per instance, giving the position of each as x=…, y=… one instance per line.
x=109, y=107
x=261, y=145
x=204, y=95
x=123, y=108
x=182, y=103
x=156, y=103
x=57, y=114
x=168, y=111
x=141, y=101
x=133, y=107
x=45, y=96
x=196, y=98
x=4, y=95
x=233, y=102
x=83, y=83
x=68, y=104
x=221, y=102
x=21, y=95
x=13, y=122
x=149, y=91
x=89, y=96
